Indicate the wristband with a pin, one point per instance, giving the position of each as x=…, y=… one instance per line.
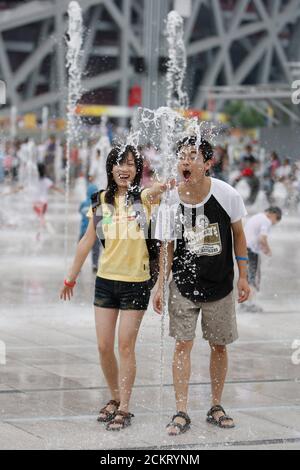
x=69, y=284
x=240, y=258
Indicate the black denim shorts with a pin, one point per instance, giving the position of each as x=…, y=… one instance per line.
x=121, y=295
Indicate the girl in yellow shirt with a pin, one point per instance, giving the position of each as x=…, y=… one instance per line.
x=122, y=286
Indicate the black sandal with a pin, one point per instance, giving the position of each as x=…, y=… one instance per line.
x=182, y=427
x=219, y=422
x=122, y=419
x=109, y=415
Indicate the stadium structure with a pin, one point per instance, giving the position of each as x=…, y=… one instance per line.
x=236, y=49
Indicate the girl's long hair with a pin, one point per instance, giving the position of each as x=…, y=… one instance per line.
x=115, y=157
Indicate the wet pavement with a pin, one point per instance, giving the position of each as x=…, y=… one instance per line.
x=51, y=385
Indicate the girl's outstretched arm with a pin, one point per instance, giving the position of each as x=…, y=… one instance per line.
x=83, y=248
x=155, y=192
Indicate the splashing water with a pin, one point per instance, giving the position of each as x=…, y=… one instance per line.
x=74, y=55
x=162, y=128
x=176, y=67
x=104, y=147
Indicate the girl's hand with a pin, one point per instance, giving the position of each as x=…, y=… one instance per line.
x=66, y=292
x=157, y=189
x=160, y=188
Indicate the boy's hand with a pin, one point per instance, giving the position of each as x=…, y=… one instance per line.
x=243, y=290
x=158, y=301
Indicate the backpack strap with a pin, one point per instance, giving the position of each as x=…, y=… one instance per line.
x=97, y=214
x=96, y=200
x=141, y=217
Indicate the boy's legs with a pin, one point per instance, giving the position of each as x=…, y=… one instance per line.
x=219, y=328
x=218, y=372
x=183, y=315
x=181, y=378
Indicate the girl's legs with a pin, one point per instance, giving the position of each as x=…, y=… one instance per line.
x=130, y=322
x=105, y=321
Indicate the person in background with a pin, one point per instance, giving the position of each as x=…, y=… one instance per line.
x=284, y=172
x=248, y=172
x=247, y=155
x=220, y=164
x=257, y=229
x=50, y=158
x=40, y=196
x=285, y=176
x=83, y=209
x=275, y=164
x=97, y=170
x=270, y=175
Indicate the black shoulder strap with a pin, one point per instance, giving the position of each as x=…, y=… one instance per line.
x=96, y=199
x=152, y=244
x=97, y=218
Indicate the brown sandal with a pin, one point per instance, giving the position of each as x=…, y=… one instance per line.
x=122, y=419
x=108, y=415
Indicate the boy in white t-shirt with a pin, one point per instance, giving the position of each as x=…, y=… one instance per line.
x=201, y=225
x=257, y=229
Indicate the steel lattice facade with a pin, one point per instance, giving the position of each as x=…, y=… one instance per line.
x=230, y=43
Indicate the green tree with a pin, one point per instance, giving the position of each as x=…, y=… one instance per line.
x=243, y=116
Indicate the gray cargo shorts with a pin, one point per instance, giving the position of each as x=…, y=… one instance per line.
x=218, y=321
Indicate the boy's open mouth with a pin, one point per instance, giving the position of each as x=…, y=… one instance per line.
x=186, y=174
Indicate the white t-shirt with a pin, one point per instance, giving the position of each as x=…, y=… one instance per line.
x=203, y=264
x=98, y=171
x=40, y=193
x=283, y=171
x=256, y=226
x=221, y=192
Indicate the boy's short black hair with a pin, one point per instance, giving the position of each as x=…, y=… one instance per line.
x=275, y=210
x=205, y=147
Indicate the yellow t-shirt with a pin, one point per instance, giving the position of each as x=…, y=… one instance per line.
x=125, y=256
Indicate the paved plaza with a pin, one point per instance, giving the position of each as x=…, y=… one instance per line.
x=51, y=385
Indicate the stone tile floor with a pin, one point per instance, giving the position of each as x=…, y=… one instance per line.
x=51, y=386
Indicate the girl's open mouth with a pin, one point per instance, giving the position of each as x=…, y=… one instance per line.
x=124, y=177
x=186, y=174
